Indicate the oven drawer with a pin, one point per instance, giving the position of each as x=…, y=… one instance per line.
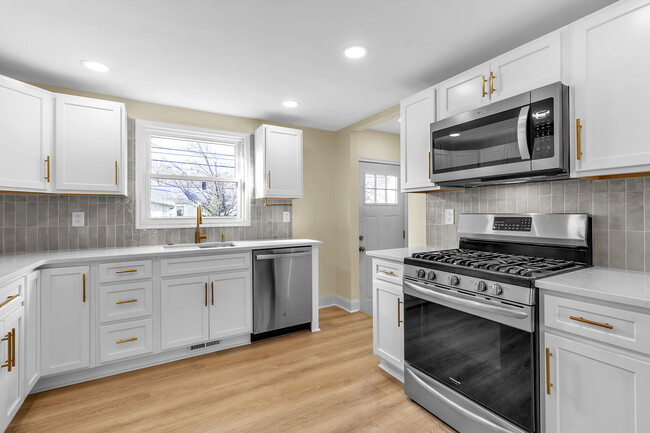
x=124, y=271
x=615, y=326
x=125, y=340
x=125, y=301
x=387, y=271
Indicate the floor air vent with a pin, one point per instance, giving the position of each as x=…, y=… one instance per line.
x=204, y=345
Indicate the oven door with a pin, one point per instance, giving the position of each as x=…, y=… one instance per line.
x=480, y=348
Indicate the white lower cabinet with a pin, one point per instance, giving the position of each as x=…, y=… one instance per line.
x=31, y=332
x=65, y=319
x=231, y=303
x=124, y=340
x=11, y=357
x=388, y=324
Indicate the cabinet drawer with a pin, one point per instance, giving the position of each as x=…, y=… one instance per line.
x=387, y=271
x=203, y=265
x=623, y=328
x=125, y=301
x=11, y=291
x=124, y=340
x=124, y=271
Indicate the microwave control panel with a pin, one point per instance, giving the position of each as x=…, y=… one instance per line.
x=542, y=126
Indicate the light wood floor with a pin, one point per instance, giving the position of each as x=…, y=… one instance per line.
x=305, y=382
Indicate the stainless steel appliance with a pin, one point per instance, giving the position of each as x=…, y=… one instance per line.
x=523, y=138
x=282, y=286
x=470, y=318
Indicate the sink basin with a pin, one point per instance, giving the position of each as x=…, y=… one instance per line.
x=205, y=245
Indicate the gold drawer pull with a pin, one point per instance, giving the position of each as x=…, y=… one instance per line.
x=126, y=271
x=548, y=371
x=591, y=322
x=126, y=341
x=9, y=299
x=387, y=272
x=126, y=302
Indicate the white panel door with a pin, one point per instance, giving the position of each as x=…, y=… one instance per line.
x=389, y=327
x=11, y=393
x=609, y=74
x=65, y=320
x=90, y=143
x=25, y=136
x=231, y=305
x=184, y=311
x=282, y=162
x=31, y=333
x=595, y=390
x=526, y=68
x=464, y=92
x=417, y=112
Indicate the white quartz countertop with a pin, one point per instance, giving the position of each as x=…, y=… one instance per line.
x=605, y=284
x=397, y=253
x=14, y=266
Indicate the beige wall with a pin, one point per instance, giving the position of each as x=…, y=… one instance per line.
x=417, y=220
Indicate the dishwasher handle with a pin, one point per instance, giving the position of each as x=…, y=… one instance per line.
x=282, y=256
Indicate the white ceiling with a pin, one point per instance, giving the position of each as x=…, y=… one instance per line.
x=243, y=57
x=390, y=126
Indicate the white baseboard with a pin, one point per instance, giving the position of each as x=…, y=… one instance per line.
x=348, y=305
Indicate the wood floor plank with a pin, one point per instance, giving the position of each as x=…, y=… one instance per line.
x=304, y=382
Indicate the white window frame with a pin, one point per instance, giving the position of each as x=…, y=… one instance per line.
x=144, y=131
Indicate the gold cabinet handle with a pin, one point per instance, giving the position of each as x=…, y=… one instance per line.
x=206, y=294
x=548, y=371
x=578, y=135
x=9, y=299
x=212, y=287
x=492, y=77
x=83, y=287
x=399, y=312
x=116, y=172
x=47, y=169
x=269, y=179
x=126, y=341
x=591, y=322
x=126, y=302
x=10, y=346
x=483, y=82
x=386, y=272
x=126, y=271
x=429, y=159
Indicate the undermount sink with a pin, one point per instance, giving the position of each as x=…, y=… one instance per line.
x=205, y=245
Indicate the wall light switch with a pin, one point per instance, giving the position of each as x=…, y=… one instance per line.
x=449, y=216
x=77, y=219
x=286, y=217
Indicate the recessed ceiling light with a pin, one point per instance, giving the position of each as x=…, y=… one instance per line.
x=355, y=51
x=95, y=66
x=399, y=120
x=455, y=134
x=290, y=104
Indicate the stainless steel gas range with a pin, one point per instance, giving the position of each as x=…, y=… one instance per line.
x=470, y=320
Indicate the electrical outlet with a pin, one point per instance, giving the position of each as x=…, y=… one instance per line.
x=286, y=217
x=449, y=216
x=77, y=219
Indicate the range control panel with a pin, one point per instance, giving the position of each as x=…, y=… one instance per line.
x=516, y=224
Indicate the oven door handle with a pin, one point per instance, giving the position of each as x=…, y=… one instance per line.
x=522, y=133
x=437, y=297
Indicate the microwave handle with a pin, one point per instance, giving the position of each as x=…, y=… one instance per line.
x=522, y=133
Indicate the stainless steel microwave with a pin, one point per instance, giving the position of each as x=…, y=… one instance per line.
x=523, y=138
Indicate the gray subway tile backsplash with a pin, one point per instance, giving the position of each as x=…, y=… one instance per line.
x=620, y=209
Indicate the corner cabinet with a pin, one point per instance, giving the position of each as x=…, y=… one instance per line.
x=278, y=162
x=609, y=80
x=11, y=355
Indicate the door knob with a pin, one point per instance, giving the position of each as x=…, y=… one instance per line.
x=362, y=249
x=361, y=237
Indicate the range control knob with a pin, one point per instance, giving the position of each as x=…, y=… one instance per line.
x=453, y=280
x=480, y=286
x=431, y=275
x=495, y=289
x=420, y=273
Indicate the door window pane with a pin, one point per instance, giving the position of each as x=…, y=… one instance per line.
x=380, y=189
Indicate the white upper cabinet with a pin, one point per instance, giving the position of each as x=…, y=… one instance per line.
x=417, y=113
x=278, y=162
x=464, y=91
x=25, y=136
x=609, y=77
x=90, y=144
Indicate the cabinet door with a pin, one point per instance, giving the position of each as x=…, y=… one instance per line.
x=609, y=78
x=184, y=311
x=25, y=136
x=230, y=305
x=65, y=320
x=526, y=68
x=464, y=92
x=31, y=334
x=12, y=382
x=388, y=334
x=595, y=390
x=281, y=150
x=417, y=112
x=90, y=146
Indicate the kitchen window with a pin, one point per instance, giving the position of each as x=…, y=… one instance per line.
x=179, y=167
x=380, y=189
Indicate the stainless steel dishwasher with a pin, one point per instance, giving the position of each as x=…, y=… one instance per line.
x=282, y=286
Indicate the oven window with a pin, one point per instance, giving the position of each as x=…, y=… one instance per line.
x=488, y=362
x=484, y=142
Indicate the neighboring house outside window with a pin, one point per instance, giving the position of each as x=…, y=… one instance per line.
x=179, y=167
